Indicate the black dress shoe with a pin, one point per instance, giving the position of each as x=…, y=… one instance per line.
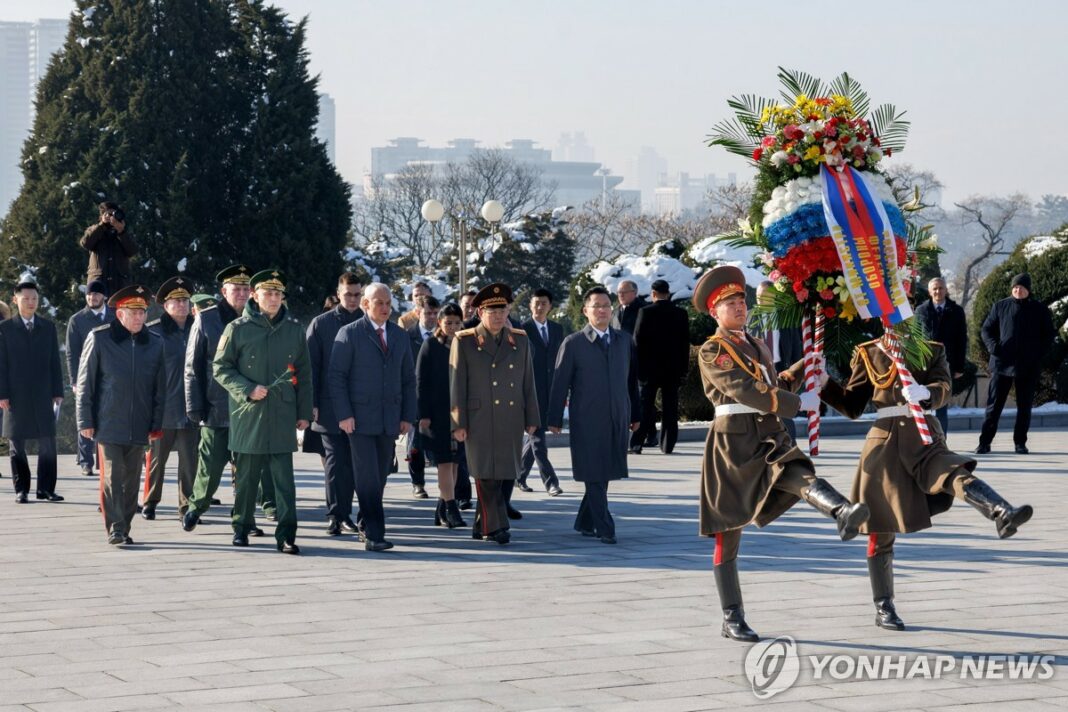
x=128, y=540
x=514, y=513
x=635, y=450
x=22, y=497
x=240, y=540
x=271, y=516
x=1022, y=450
x=608, y=540
x=982, y=449
x=465, y=504
x=50, y=496
x=255, y=531
x=419, y=492
x=149, y=513
x=114, y=538
x=288, y=547
x=190, y=520
x=347, y=525
x=378, y=545
x=523, y=487
x=333, y=527
x=216, y=500
x=886, y=616
x=555, y=490
x=501, y=536
x=88, y=472
x=735, y=627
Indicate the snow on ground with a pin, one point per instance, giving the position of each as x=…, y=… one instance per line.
x=643, y=271
x=1041, y=244
x=710, y=253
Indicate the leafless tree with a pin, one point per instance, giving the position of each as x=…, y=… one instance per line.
x=989, y=219
x=917, y=189
x=494, y=175
x=728, y=204
x=391, y=214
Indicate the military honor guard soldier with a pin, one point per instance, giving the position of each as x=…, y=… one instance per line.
x=752, y=471
x=179, y=432
x=263, y=363
x=121, y=390
x=491, y=383
x=902, y=480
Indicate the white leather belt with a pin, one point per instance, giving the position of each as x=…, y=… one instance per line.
x=897, y=411
x=736, y=409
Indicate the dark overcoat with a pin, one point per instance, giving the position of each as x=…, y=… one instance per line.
x=432, y=384
x=321, y=334
x=175, y=339
x=662, y=333
x=78, y=329
x=600, y=387
x=30, y=377
x=206, y=401
x=1017, y=334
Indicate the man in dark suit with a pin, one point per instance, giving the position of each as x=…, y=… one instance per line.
x=545, y=338
x=1017, y=333
x=625, y=315
x=784, y=344
x=31, y=389
x=944, y=321
x=423, y=329
x=340, y=482
x=371, y=380
x=662, y=334
x=95, y=313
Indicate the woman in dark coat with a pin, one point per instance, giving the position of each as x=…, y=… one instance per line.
x=432, y=386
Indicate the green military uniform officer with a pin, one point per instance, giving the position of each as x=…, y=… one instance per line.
x=263, y=363
x=491, y=381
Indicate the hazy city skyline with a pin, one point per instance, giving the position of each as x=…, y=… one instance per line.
x=981, y=86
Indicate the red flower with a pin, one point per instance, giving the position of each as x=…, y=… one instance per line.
x=293, y=380
x=291, y=368
x=757, y=153
x=827, y=295
x=822, y=101
x=889, y=152
x=768, y=142
x=793, y=133
x=829, y=312
x=792, y=158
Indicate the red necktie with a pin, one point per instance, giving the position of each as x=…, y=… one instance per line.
x=382, y=338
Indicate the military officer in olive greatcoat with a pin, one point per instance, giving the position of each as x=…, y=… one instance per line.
x=263, y=363
x=491, y=383
x=752, y=470
x=903, y=481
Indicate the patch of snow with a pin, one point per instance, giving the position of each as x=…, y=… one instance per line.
x=643, y=271
x=708, y=253
x=1040, y=245
x=182, y=263
x=84, y=41
x=42, y=150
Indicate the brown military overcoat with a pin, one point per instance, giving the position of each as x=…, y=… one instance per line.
x=491, y=387
x=898, y=477
x=745, y=454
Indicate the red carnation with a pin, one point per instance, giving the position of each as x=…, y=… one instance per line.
x=793, y=133
x=291, y=368
x=829, y=312
x=757, y=153
x=293, y=380
x=768, y=142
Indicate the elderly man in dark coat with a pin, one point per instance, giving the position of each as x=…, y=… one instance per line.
x=944, y=321
x=491, y=382
x=1017, y=333
x=371, y=381
x=598, y=368
x=95, y=313
x=31, y=387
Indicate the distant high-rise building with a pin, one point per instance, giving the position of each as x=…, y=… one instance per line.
x=25, y=51
x=575, y=182
x=325, y=130
x=647, y=168
x=678, y=193
x=573, y=147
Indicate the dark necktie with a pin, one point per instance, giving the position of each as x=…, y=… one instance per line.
x=382, y=338
x=603, y=338
x=544, y=334
x=29, y=326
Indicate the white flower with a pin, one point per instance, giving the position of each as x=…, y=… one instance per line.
x=930, y=243
x=778, y=159
x=791, y=206
x=811, y=127
x=803, y=182
x=779, y=192
x=874, y=154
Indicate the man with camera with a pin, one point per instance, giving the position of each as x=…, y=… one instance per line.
x=110, y=248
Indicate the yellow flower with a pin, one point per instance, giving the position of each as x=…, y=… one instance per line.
x=847, y=310
x=813, y=154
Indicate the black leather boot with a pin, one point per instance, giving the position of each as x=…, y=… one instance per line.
x=730, y=598
x=830, y=502
x=881, y=573
x=452, y=515
x=476, y=526
x=439, y=513
x=992, y=506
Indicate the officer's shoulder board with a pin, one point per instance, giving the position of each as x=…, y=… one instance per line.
x=154, y=322
x=102, y=327
x=863, y=347
x=465, y=332
x=712, y=352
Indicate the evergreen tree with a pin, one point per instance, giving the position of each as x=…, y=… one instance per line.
x=198, y=117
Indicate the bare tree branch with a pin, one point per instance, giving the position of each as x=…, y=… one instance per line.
x=992, y=216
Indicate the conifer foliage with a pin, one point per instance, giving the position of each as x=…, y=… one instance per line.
x=198, y=117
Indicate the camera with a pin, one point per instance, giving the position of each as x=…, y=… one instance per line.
x=117, y=214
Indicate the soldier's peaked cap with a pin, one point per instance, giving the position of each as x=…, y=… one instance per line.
x=717, y=284
x=133, y=296
x=269, y=279
x=173, y=288
x=234, y=274
x=493, y=295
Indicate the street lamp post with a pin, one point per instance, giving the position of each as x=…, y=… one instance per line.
x=604, y=187
x=433, y=211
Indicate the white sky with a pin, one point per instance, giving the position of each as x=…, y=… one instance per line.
x=983, y=82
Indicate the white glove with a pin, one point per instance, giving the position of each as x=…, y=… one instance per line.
x=810, y=401
x=915, y=393
x=820, y=364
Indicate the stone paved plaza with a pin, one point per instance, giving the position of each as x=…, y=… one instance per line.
x=553, y=621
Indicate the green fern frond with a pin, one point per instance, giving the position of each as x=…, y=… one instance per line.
x=749, y=108
x=731, y=135
x=890, y=127
x=796, y=82
x=847, y=86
